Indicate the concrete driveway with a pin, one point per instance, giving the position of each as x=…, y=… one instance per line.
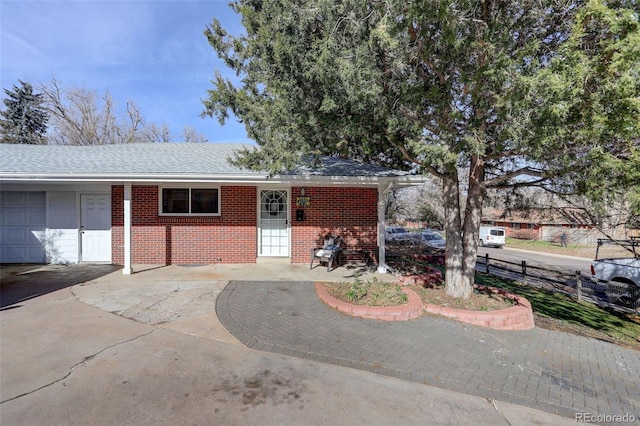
x=23, y=282
x=148, y=349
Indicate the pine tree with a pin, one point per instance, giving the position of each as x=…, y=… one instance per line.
x=483, y=95
x=24, y=119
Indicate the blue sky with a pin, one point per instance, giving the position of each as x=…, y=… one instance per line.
x=152, y=52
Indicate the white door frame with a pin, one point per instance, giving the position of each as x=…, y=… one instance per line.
x=287, y=210
x=105, y=251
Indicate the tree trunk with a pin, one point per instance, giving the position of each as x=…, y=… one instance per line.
x=473, y=219
x=454, y=281
x=462, y=241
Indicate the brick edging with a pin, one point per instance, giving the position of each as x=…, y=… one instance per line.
x=411, y=310
x=517, y=317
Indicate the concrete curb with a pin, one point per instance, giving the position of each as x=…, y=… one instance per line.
x=517, y=317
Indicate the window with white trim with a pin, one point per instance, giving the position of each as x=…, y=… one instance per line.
x=190, y=201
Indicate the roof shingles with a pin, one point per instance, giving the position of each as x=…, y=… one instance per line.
x=169, y=158
x=157, y=159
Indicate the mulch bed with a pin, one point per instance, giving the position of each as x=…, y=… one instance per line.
x=433, y=295
x=479, y=300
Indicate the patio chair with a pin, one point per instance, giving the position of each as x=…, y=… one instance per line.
x=328, y=253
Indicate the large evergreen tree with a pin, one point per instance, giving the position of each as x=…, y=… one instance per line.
x=442, y=86
x=24, y=119
x=586, y=109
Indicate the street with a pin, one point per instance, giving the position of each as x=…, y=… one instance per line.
x=564, y=280
x=552, y=261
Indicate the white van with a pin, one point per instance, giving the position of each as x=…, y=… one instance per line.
x=491, y=236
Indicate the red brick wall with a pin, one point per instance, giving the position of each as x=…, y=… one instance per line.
x=349, y=212
x=232, y=236
x=228, y=238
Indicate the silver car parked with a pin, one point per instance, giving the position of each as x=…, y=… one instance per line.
x=433, y=239
x=396, y=234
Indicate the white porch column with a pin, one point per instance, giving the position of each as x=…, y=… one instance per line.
x=382, y=261
x=127, y=229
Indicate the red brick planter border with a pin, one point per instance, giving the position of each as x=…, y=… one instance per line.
x=412, y=309
x=517, y=317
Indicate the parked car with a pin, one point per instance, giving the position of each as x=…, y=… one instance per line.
x=396, y=234
x=491, y=236
x=620, y=274
x=432, y=239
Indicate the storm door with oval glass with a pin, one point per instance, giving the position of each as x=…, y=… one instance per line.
x=273, y=238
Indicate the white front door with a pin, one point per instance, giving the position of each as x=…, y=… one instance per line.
x=273, y=229
x=95, y=227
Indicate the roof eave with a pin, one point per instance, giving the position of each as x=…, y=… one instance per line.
x=208, y=178
x=132, y=177
x=349, y=180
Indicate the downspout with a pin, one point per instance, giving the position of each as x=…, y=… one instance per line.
x=126, y=270
x=382, y=261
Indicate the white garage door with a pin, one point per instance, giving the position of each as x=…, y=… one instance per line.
x=22, y=227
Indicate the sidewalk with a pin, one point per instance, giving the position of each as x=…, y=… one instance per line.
x=164, y=358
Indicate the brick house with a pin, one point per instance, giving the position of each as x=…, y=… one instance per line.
x=181, y=204
x=542, y=224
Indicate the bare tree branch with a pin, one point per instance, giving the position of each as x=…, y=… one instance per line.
x=525, y=171
x=83, y=117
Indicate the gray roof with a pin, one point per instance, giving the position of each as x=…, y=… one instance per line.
x=334, y=166
x=149, y=158
x=156, y=159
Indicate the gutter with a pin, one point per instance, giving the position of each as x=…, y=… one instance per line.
x=203, y=178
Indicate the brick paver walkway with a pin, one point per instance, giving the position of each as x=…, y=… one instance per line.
x=555, y=372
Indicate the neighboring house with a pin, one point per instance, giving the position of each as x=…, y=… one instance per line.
x=181, y=204
x=542, y=224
